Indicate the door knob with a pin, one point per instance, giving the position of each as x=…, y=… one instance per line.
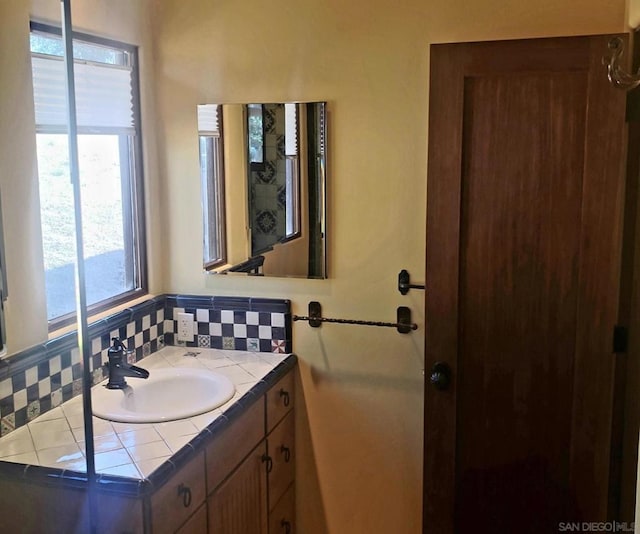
x=440, y=375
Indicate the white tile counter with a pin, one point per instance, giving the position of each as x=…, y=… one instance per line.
x=56, y=438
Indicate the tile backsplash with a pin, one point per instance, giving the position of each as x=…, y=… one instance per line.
x=43, y=377
x=256, y=325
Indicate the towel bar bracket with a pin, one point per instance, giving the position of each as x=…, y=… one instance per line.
x=315, y=314
x=404, y=282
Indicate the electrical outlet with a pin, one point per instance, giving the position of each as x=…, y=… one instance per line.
x=185, y=327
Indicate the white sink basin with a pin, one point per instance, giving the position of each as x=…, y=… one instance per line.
x=168, y=394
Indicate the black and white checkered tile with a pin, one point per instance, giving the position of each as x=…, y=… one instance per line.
x=254, y=331
x=42, y=378
x=57, y=377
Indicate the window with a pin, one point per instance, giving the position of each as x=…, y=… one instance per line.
x=212, y=179
x=292, y=172
x=109, y=153
x=255, y=128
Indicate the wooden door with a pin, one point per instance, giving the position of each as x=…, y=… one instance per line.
x=525, y=191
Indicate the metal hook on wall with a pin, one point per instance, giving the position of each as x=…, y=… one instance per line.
x=616, y=74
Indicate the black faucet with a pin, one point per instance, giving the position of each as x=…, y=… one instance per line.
x=119, y=368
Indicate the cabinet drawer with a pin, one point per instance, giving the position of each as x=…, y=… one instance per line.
x=282, y=519
x=197, y=523
x=279, y=400
x=232, y=445
x=281, y=448
x=182, y=494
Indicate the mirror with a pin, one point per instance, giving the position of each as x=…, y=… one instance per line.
x=263, y=174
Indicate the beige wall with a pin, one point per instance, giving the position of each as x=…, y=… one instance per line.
x=634, y=13
x=18, y=183
x=360, y=438
x=120, y=19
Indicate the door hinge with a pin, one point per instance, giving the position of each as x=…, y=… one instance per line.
x=620, y=339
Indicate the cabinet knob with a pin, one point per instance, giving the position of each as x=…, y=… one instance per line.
x=185, y=493
x=286, y=452
x=286, y=526
x=284, y=395
x=269, y=461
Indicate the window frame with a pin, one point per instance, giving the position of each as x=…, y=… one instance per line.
x=132, y=195
x=294, y=161
x=4, y=288
x=212, y=180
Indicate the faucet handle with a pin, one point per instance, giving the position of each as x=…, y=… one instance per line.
x=119, y=346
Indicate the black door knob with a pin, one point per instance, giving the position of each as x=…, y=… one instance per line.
x=440, y=375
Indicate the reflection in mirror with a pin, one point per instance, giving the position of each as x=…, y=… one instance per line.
x=212, y=180
x=255, y=132
x=263, y=173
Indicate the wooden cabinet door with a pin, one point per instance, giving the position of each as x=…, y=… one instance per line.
x=228, y=448
x=239, y=505
x=524, y=215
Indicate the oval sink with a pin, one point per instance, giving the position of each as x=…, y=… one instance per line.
x=168, y=394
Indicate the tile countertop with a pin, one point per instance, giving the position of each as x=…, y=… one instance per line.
x=133, y=450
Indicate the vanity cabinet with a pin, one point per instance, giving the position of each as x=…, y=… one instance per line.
x=239, y=482
x=243, y=480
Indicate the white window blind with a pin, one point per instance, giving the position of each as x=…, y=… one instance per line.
x=291, y=129
x=103, y=95
x=208, y=119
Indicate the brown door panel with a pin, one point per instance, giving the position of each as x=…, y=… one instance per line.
x=525, y=190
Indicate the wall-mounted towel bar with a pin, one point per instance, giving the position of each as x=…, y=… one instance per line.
x=403, y=323
x=404, y=282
